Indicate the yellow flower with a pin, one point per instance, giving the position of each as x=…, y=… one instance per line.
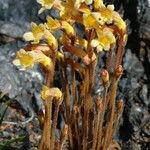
x=25, y=59
x=96, y=19
x=52, y=24
x=40, y=32
x=36, y=34
x=70, y=12
x=106, y=13
x=104, y=40
x=103, y=15
x=89, y=21
x=46, y=93
x=48, y=4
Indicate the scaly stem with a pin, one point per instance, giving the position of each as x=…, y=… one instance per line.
x=100, y=128
x=96, y=130
x=107, y=138
x=86, y=109
x=45, y=141
x=54, y=125
x=109, y=60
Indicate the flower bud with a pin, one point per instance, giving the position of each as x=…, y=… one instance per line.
x=118, y=71
x=47, y=92
x=105, y=77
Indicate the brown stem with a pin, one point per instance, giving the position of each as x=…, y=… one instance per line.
x=73, y=88
x=107, y=138
x=120, y=107
x=67, y=102
x=120, y=51
x=70, y=136
x=46, y=135
x=86, y=109
x=118, y=59
x=64, y=136
x=54, y=125
x=100, y=128
x=109, y=60
x=45, y=142
x=76, y=113
x=96, y=131
x=97, y=121
x=67, y=95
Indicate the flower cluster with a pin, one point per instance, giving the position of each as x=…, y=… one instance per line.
x=100, y=19
x=93, y=14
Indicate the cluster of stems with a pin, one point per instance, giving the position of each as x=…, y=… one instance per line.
x=90, y=122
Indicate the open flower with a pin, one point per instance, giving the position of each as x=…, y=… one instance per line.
x=107, y=13
x=40, y=32
x=104, y=40
x=103, y=15
x=36, y=34
x=98, y=18
x=90, y=21
x=27, y=59
x=70, y=11
x=48, y=4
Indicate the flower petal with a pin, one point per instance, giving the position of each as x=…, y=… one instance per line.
x=24, y=58
x=28, y=36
